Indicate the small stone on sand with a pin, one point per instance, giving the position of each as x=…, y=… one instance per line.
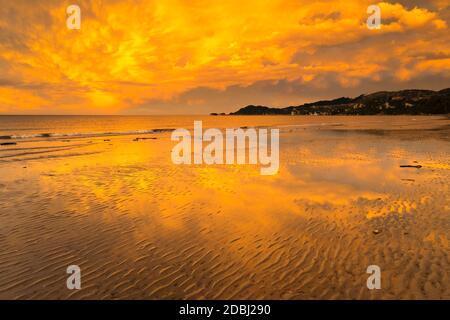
x=411, y=166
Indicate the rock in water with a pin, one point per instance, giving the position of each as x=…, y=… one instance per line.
x=411, y=166
x=139, y=138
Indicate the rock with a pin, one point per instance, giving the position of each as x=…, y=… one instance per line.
x=376, y=231
x=45, y=135
x=8, y=143
x=137, y=139
x=411, y=166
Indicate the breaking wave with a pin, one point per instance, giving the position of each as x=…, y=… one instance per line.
x=82, y=134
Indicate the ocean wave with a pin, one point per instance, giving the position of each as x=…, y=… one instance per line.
x=322, y=124
x=82, y=134
x=45, y=157
x=135, y=132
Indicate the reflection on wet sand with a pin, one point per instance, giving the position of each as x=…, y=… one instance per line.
x=142, y=227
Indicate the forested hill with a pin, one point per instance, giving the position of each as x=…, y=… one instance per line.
x=384, y=102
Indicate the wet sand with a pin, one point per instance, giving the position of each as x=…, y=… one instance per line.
x=141, y=227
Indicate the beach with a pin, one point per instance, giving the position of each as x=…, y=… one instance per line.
x=102, y=193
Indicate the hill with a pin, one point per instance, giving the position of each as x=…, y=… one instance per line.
x=414, y=102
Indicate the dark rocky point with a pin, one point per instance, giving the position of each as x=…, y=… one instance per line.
x=412, y=102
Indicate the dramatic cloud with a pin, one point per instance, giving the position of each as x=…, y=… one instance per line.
x=202, y=56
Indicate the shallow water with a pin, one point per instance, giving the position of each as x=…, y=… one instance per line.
x=21, y=127
x=142, y=227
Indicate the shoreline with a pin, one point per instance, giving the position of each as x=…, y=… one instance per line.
x=141, y=227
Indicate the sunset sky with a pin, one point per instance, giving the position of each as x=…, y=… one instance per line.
x=201, y=56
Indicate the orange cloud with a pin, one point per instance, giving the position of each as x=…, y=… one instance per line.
x=129, y=53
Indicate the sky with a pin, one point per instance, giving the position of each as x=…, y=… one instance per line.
x=202, y=56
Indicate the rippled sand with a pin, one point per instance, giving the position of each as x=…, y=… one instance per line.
x=141, y=227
